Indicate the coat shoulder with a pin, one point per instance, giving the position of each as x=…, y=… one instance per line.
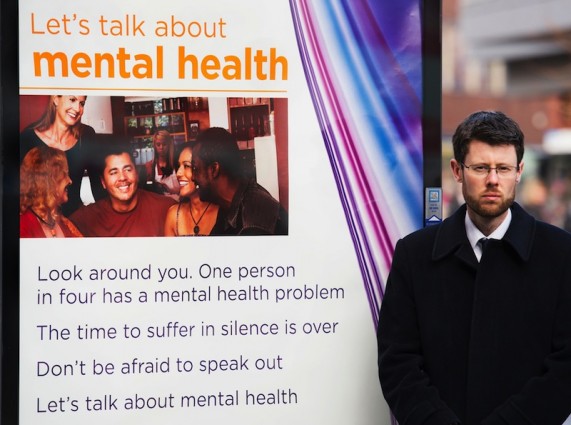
x=550, y=234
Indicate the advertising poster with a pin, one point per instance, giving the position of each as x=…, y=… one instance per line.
x=129, y=324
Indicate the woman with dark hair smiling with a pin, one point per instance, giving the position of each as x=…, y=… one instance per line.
x=44, y=182
x=191, y=216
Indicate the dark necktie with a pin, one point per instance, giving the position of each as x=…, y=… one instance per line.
x=483, y=242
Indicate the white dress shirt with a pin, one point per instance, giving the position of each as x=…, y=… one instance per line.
x=474, y=234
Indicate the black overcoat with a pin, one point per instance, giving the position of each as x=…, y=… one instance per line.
x=478, y=343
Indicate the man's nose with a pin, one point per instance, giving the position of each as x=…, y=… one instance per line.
x=492, y=177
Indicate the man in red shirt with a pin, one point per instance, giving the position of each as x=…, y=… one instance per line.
x=127, y=211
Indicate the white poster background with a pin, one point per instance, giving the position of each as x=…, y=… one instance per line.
x=329, y=375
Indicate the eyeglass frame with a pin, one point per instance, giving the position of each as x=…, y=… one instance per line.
x=489, y=169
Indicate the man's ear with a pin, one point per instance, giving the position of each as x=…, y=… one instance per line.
x=519, y=172
x=102, y=182
x=456, y=170
x=215, y=167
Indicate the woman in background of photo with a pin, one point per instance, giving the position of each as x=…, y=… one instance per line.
x=60, y=127
x=160, y=172
x=191, y=216
x=44, y=184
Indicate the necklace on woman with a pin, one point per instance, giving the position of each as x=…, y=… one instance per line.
x=50, y=224
x=196, y=223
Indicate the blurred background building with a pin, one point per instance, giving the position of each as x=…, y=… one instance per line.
x=513, y=56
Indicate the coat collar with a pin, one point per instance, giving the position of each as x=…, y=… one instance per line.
x=451, y=236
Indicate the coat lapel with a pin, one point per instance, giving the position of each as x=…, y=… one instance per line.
x=521, y=232
x=451, y=239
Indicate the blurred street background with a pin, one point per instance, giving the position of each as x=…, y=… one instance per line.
x=513, y=56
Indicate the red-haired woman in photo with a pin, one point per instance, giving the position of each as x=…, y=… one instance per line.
x=44, y=183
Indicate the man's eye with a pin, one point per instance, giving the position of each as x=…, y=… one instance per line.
x=480, y=168
x=504, y=169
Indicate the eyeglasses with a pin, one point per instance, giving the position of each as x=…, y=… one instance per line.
x=482, y=170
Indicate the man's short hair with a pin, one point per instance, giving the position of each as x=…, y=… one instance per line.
x=114, y=149
x=216, y=144
x=491, y=127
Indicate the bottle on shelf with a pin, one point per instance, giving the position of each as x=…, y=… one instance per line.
x=252, y=129
x=235, y=127
x=243, y=131
x=261, y=131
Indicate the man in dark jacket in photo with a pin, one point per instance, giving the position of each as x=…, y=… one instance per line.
x=246, y=208
x=475, y=324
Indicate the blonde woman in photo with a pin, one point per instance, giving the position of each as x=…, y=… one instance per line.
x=60, y=127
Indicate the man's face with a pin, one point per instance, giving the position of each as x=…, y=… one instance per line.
x=202, y=177
x=488, y=196
x=120, y=179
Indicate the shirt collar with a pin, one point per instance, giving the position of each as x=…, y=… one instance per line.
x=474, y=234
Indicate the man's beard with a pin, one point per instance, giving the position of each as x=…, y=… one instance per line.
x=490, y=210
x=205, y=193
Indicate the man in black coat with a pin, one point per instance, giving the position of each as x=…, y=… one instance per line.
x=475, y=324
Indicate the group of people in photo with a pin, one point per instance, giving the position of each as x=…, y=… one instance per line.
x=193, y=189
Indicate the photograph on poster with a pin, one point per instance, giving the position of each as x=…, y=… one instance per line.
x=137, y=166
